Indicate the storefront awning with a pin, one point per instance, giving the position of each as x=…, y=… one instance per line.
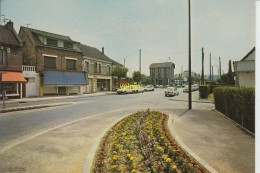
x=58, y=78
x=11, y=77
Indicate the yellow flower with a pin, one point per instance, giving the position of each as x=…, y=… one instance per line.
x=168, y=160
x=133, y=170
x=174, y=167
x=124, y=134
x=113, y=166
x=128, y=155
x=131, y=158
x=115, y=157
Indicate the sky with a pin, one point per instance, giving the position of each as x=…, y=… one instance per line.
x=224, y=28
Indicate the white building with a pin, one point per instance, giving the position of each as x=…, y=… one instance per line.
x=245, y=70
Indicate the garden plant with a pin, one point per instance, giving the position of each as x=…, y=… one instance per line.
x=141, y=142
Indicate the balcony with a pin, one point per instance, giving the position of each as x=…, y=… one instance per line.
x=29, y=71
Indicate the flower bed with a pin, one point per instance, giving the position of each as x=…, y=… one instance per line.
x=141, y=142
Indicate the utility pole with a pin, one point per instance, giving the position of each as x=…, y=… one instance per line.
x=202, y=70
x=140, y=61
x=212, y=72
x=210, y=66
x=190, y=105
x=219, y=67
x=124, y=62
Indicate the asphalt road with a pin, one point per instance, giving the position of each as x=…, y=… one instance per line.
x=19, y=129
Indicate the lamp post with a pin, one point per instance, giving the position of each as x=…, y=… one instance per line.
x=190, y=105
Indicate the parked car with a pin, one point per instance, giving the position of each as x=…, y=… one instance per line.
x=186, y=88
x=171, y=91
x=125, y=91
x=195, y=87
x=149, y=88
x=140, y=90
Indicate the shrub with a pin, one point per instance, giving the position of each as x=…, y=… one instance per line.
x=237, y=103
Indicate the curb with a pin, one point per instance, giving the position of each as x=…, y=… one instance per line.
x=32, y=107
x=90, y=157
x=186, y=148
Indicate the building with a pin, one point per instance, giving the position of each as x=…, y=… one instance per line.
x=52, y=63
x=99, y=68
x=162, y=73
x=11, y=79
x=245, y=70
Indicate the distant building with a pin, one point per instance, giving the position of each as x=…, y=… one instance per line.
x=162, y=73
x=245, y=70
x=11, y=79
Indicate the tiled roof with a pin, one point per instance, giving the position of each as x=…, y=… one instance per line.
x=8, y=35
x=248, y=54
x=33, y=34
x=95, y=53
x=161, y=65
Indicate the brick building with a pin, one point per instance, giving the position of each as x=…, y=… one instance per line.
x=99, y=68
x=57, y=61
x=11, y=78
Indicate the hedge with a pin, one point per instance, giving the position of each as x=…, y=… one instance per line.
x=237, y=103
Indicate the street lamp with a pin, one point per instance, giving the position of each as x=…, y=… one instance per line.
x=190, y=105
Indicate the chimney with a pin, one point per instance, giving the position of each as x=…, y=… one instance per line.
x=103, y=50
x=10, y=25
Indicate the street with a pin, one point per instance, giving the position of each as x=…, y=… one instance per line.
x=41, y=138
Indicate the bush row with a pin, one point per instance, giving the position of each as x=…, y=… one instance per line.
x=237, y=103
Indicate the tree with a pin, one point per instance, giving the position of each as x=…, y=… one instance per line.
x=137, y=76
x=119, y=72
x=146, y=80
x=228, y=78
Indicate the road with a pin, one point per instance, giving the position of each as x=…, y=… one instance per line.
x=59, y=138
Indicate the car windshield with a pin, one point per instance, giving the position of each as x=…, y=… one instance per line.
x=170, y=88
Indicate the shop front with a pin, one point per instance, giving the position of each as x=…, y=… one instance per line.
x=62, y=83
x=11, y=84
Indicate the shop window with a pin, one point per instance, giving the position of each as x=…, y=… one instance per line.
x=67, y=45
x=86, y=66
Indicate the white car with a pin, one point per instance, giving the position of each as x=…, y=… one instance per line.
x=149, y=88
x=171, y=91
x=125, y=91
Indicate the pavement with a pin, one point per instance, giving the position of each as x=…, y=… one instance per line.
x=215, y=141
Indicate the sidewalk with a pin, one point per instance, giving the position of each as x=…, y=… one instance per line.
x=216, y=140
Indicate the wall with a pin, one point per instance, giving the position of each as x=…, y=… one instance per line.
x=246, y=79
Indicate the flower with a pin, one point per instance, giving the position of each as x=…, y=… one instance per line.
x=129, y=155
x=114, y=166
x=133, y=170
x=174, y=167
x=168, y=160
x=132, y=158
x=115, y=157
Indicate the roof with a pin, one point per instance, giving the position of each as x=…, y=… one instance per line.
x=247, y=55
x=95, y=53
x=8, y=35
x=161, y=65
x=34, y=33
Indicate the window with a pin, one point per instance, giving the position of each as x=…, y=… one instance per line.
x=67, y=45
x=3, y=57
x=52, y=42
x=109, y=69
x=49, y=62
x=71, y=64
x=97, y=68
x=86, y=66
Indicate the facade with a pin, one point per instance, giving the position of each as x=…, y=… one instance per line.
x=57, y=63
x=99, y=68
x=245, y=70
x=11, y=79
x=162, y=73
